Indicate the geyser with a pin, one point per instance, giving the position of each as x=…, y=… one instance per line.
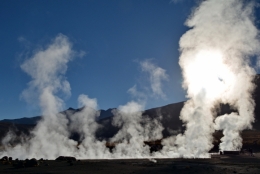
x=215, y=62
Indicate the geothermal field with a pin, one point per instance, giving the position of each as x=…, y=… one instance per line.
x=214, y=131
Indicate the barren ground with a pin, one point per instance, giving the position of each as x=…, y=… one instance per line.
x=217, y=164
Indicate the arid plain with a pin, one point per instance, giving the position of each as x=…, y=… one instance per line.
x=243, y=163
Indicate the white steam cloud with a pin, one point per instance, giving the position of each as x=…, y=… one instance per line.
x=215, y=62
x=156, y=76
x=47, y=68
x=135, y=128
x=52, y=135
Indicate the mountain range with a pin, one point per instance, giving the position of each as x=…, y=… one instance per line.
x=169, y=118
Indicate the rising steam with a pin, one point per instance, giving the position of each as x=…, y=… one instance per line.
x=156, y=76
x=51, y=137
x=215, y=61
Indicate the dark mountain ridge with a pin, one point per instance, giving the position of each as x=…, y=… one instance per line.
x=24, y=120
x=169, y=117
x=69, y=111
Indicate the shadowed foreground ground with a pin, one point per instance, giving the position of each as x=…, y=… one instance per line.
x=217, y=164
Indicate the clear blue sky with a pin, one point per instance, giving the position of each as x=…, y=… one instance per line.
x=115, y=34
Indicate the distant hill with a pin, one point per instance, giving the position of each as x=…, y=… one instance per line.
x=69, y=111
x=170, y=121
x=17, y=128
x=24, y=120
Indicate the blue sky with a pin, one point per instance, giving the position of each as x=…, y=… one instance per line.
x=115, y=35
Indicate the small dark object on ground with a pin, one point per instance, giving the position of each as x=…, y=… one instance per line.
x=225, y=152
x=32, y=163
x=66, y=158
x=27, y=163
x=5, y=158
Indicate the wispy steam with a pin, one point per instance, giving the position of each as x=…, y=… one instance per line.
x=134, y=127
x=156, y=76
x=84, y=123
x=175, y=1
x=130, y=136
x=52, y=135
x=47, y=68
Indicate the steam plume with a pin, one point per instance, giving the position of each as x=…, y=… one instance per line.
x=47, y=68
x=157, y=75
x=215, y=62
x=52, y=135
x=84, y=123
x=134, y=127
